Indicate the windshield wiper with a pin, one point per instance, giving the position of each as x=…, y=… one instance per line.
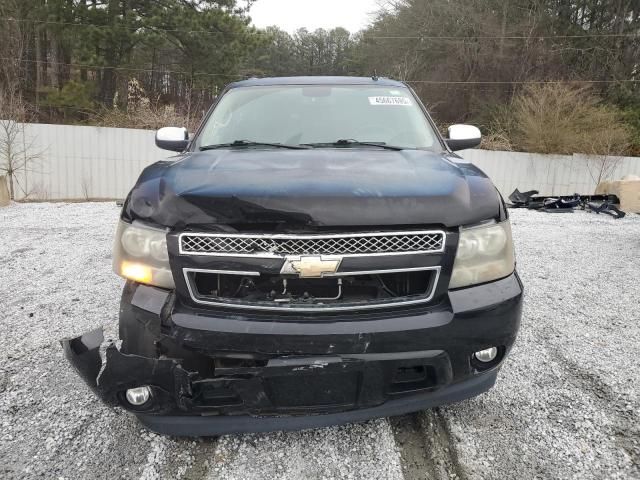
x=248, y=143
x=355, y=143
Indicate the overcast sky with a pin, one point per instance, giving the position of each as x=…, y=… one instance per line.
x=290, y=15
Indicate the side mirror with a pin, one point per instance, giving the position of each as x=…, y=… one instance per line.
x=462, y=137
x=174, y=139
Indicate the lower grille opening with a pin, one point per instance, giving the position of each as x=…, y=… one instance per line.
x=411, y=378
x=285, y=291
x=207, y=393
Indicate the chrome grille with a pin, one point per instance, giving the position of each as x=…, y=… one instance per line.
x=279, y=245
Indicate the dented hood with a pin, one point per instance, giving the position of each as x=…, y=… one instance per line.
x=306, y=188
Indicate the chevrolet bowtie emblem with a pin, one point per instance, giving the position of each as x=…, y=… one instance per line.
x=311, y=266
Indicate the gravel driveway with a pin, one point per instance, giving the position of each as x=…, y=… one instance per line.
x=566, y=403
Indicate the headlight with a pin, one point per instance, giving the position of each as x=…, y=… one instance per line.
x=484, y=254
x=140, y=254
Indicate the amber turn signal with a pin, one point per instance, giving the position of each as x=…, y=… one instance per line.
x=136, y=272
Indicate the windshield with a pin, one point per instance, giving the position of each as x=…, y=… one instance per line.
x=319, y=115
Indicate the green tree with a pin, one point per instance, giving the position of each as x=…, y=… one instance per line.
x=173, y=47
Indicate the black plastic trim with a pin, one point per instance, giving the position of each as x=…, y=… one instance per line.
x=200, y=426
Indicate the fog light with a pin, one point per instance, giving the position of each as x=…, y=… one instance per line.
x=138, y=396
x=486, y=356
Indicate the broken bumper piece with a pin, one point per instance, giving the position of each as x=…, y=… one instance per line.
x=111, y=373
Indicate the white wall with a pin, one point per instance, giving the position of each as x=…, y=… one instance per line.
x=549, y=174
x=78, y=162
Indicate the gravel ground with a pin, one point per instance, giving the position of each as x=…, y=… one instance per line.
x=565, y=406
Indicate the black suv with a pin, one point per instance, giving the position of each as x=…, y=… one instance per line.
x=316, y=254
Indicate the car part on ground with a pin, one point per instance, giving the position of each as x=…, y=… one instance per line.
x=560, y=205
x=566, y=204
x=606, y=207
x=522, y=199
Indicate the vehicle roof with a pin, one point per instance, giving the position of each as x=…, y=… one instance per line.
x=271, y=81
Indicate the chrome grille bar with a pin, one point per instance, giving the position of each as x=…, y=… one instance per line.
x=359, y=244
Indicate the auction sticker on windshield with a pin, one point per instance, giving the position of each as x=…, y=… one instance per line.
x=402, y=101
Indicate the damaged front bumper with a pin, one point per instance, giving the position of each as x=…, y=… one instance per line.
x=110, y=373
x=211, y=374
